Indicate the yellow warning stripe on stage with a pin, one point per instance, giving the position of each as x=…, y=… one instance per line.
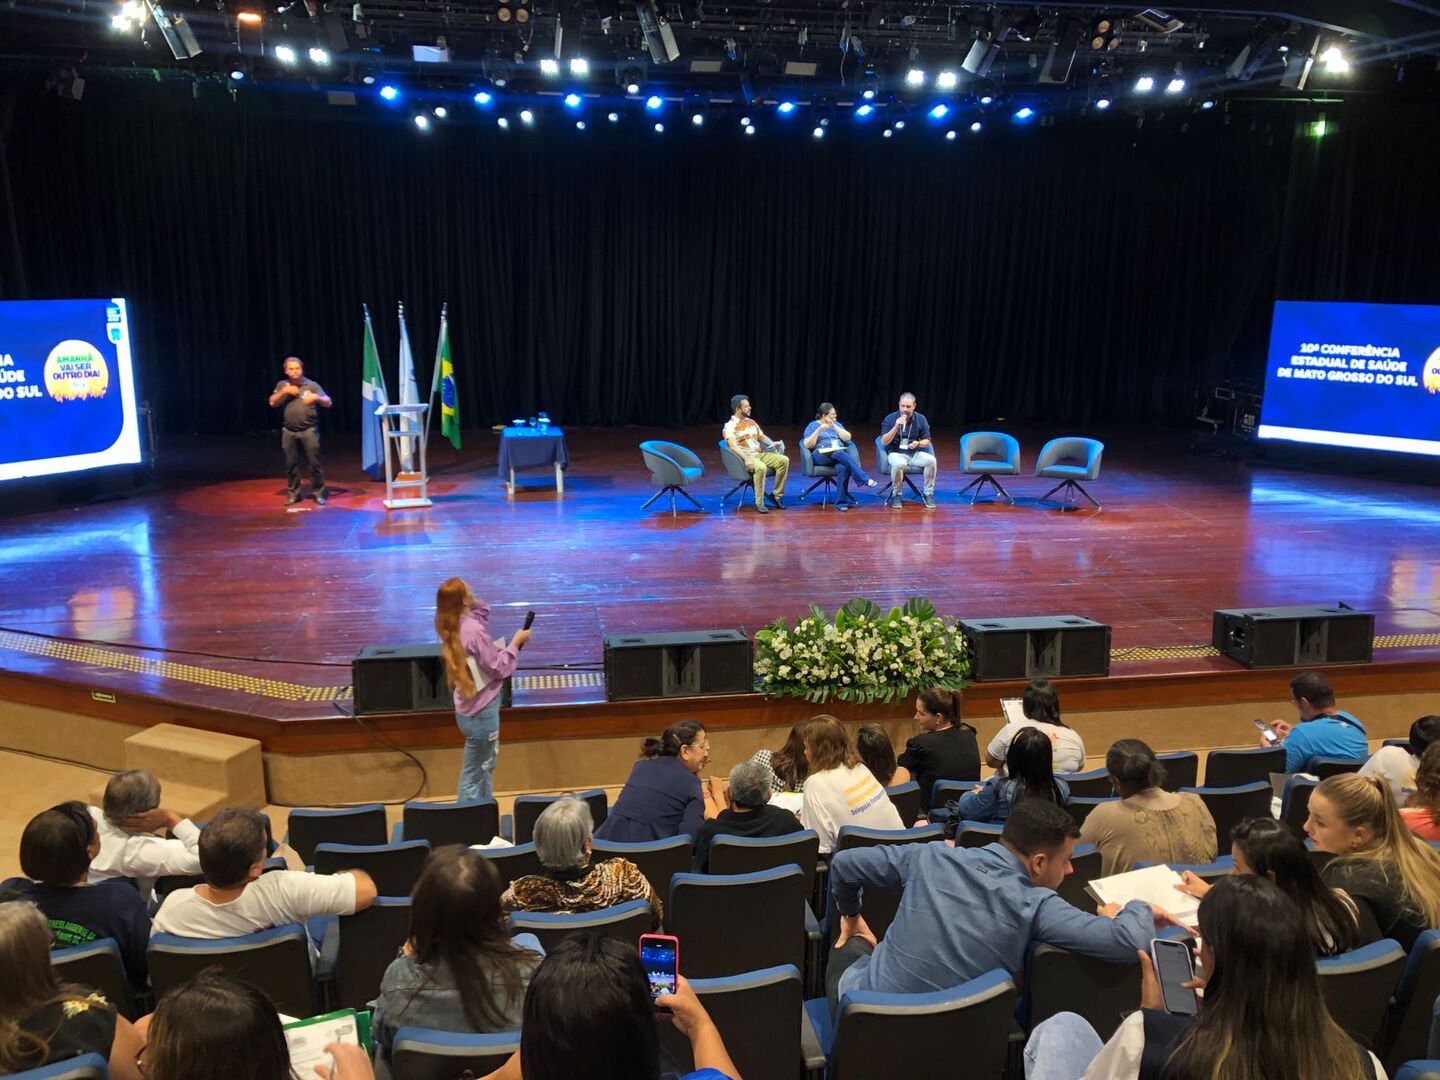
x=582, y=680
x=1168, y=652
x=1406, y=641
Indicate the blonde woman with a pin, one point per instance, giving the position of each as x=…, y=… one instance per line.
x=477, y=669
x=1380, y=863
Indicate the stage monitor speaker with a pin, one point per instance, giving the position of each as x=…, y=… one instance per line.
x=678, y=665
x=1052, y=646
x=400, y=678
x=1294, y=636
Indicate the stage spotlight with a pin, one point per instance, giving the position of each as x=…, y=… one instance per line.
x=579, y=67
x=1144, y=84
x=915, y=77
x=390, y=92
x=863, y=111
x=697, y=119
x=977, y=127
x=950, y=136
x=869, y=84
x=441, y=112
x=939, y=111
x=285, y=54
x=631, y=77
x=947, y=80
x=887, y=133
x=1102, y=103
x=319, y=57
x=613, y=117
x=786, y=107
x=1024, y=113
x=483, y=97
x=899, y=125
x=659, y=129
x=579, y=125
x=749, y=129
x=499, y=72
x=573, y=99
x=653, y=102
x=744, y=121
x=817, y=132
x=823, y=112
x=131, y=14
x=237, y=75
x=503, y=123
x=245, y=18
x=422, y=122
x=1207, y=104
x=527, y=117
x=550, y=67
x=1177, y=84
x=1335, y=61
x=1318, y=129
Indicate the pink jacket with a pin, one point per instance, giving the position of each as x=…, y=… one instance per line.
x=495, y=665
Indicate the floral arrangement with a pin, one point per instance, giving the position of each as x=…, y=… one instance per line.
x=861, y=654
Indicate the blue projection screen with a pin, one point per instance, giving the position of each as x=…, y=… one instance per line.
x=1356, y=375
x=67, y=388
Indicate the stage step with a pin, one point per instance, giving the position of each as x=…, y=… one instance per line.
x=199, y=771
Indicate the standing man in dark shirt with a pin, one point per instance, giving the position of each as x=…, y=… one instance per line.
x=299, y=396
x=905, y=434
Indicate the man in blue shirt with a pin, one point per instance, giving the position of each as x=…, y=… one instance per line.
x=1324, y=731
x=905, y=433
x=966, y=911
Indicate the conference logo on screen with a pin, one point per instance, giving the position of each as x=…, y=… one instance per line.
x=76, y=371
x=1431, y=375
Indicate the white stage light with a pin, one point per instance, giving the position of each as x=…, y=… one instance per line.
x=319, y=57
x=285, y=54
x=422, y=122
x=549, y=68
x=947, y=80
x=579, y=66
x=915, y=77
x=527, y=117
x=1144, y=84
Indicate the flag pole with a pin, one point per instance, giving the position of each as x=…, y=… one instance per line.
x=435, y=375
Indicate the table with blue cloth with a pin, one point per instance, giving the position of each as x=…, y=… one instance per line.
x=533, y=448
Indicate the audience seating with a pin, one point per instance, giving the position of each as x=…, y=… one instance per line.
x=1086, y=862
x=1407, y=1027
x=1070, y=460
x=747, y=854
x=1002, y=458
x=820, y=471
x=658, y=860
x=422, y=1054
x=1234, y=768
x=1295, y=803
x=83, y=1067
x=761, y=1016
x=1411, y=1070
x=886, y=488
x=275, y=960
x=705, y=910
x=1091, y=784
x=1058, y=980
x=1358, y=985
x=1397, y=742
x=945, y=790
x=1230, y=806
x=1224, y=866
x=530, y=807
x=1081, y=806
x=393, y=867
x=512, y=862
x=970, y=834
x=671, y=466
x=356, y=953
x=877, y=1035
x=877, y=905
x=1322, y=768
x=353, y=825
x=623, y=922
x=906, y=799
x=473, y=821
x=1182, y=769
x=98, y=966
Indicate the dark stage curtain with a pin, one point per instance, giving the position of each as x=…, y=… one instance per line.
x=1087, y=272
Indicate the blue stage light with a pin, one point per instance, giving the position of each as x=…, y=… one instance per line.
x=579, y=125
x=572, y=100
x=888, y=133
x=977, y=127
x=749, y=129
x=483, y=98
x=939, y=111
x=899, y=125
x=654, y=101
x=787, y=107
x=1102, y=103
x=864, y=111
x=818, y=133
x=389, y=92
x=613, y=117
x=659, y=129
x=1024, y=113
x=950, y=136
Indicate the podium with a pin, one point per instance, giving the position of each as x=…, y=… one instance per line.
x=404, y=422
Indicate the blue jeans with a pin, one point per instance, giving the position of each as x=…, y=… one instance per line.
x=846, y=469
x=1061, y=1048
x=482, y=750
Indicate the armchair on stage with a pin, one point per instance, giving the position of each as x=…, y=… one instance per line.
x=672, y=467
x=823, y=474
x=882, y=466
x=1070, y=460
x=735, y=469
x=404, y=422
x=1001, y=458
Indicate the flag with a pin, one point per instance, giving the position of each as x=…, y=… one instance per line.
x=444, y=381
x=372, y=396
x=409, y=395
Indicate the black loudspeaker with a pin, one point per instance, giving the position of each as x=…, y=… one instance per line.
x=678, y=665
x=1294, y=636
x=400, y=678
x=1053, y=646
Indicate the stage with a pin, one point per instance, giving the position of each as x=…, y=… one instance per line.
x=208, y=602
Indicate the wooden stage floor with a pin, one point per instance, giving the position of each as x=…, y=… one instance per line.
x=208, y=594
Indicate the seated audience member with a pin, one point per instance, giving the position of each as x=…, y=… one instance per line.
x=839, y=790
x=749, y=812
x=1041, y=705
x=570, y=884
x=1028, y=775
x=1324, y=730
x=945, y=749
x=55, y=852
x=1148, y=824
x=1422, y=816
x=459, y=970
x=1268, y=848
x=825, y=437
x=43, y=1021
x=1380, y=863
x=663, y=796
x=1262, y=1014
x=128, y=819
x=965, y=911
x=788, y=763
x=238, y=898
x=872, y=743
x=1398, y=764
x=217, y=1026
x=589, y=1016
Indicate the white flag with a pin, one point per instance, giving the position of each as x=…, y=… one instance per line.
x=409, y=395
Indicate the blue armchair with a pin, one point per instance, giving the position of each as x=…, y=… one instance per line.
x=882, y=467
x=1070, y=460
x=1001, y=457
x=823, y=474
x=672, y=467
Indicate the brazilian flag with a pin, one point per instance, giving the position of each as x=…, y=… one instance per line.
x=445, y=378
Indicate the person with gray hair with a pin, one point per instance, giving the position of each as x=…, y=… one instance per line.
x=128, y=820
x=748, y=813
x=568, y=882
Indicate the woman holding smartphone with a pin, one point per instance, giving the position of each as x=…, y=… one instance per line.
x=477, y=669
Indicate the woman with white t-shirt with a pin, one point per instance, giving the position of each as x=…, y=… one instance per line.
x=840, y=791
x=1041, y=705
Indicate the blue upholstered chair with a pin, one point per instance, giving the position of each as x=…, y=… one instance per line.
x=528, y=809
x=1182, y=769
x=623, y=922
x=352, y=825
x=1090, y=784
x=275, y=960
x=422, y=1054
x=906, y=800
x=1358, y=985
x=97, y=965
x=1231, y=768
x=882, y=470
x=1231, y=805
x=704, y=910
x=83, y=1067
x=1070, y=460
x=473, y=821
x=747, y=854
x=986, y=455
x=1414, y=1019
x=672, y=467
x=814, y=467
x=1295, y=802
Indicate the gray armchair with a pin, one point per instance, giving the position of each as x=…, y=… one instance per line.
x=672, y=467
x=1070, y=460
x=815, y=468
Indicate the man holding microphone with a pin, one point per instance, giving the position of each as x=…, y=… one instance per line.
x=907, y=435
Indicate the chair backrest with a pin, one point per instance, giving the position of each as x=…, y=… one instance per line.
x=1071, y=450
x=733, y=462
x=733, y=923
x=353, y=825
x=990, y=443
x=99, y=966
x=909, y=1034
x=1090, y=784
x=758, y=1017
x=1182, y=769
x=275, y=960
x=668, y=461
x=1230, y=806
x=906, y=799
x=1080, y=807
x=623, y=922
x=942, y=791
x=973, y=834
x=82, y=1067
x=1295, y=803
x=747, y=854
x=1058, y=980
x=1325, y=767
x=394, y=867
x=517, y=861
x=1418, y=1070
x=879, y=905
x=422, y=1054
x=473, y=821
x=369, y=941
x=1357, y=987
x=1086, y=868
x=1231, y=768
x=658, y=860
x=530, y=807
x=882, y=457
x=1407, y=1027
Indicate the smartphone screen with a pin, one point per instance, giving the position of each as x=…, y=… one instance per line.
x=659, y=955
x=1173, y=966
x=1268, y=732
